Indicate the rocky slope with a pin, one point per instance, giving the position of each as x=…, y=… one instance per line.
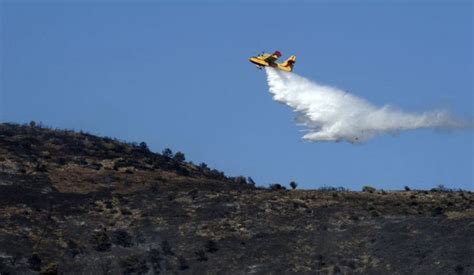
x=76, y=203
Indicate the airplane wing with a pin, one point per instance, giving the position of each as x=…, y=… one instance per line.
x=271, y=59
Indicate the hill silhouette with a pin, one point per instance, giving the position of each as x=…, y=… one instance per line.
x=72, y=202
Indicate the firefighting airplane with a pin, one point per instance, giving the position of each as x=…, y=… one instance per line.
x=269, y=60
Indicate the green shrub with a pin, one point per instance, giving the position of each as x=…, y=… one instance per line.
x=34, y=262
x=122, y=238
x=293, y=185
x=125, y=211
x=143, y=146
x=73, y=248
x=183, y=264
x=368, y=189
x=276, y=186
x=40, y=168
x=155, y=259
x=240, y=180
x=201, y=256
x=211, y=246
x=203, y=166
x=101, y=241
x=331, y=188
x=50, y=269
x=442, y=188
x=179, y=157
x=167, y=153
x=155, y=187
x=133, y=264
x=459, y=269
x=217, y=174
x=166, y=248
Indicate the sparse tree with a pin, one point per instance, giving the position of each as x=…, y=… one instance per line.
x=407, y=188
x=155, y=187
x=459, y=269
x=40, y=168
x=179, y=157
x=251, y=181
x=293, y=185
x=34, y=262
x=155, y=259
x=105, y=265
x=166, y=248
x=211, y=246
x=183, y=264
x=442, y=188
x=73, y=248
x=143, y=146
x=201, y=256
x=240, y=180
x=276, y=186
x=217, y=174
x=203, y=166
x=167, y=153
x=368, y=189
x=134, y=264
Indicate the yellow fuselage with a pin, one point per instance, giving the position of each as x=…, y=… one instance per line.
x=260, y=61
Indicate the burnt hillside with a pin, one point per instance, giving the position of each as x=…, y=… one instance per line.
x=77, y=203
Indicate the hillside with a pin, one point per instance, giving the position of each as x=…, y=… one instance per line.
x=76, y=203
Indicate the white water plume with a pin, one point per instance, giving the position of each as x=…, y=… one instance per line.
x=330, y=114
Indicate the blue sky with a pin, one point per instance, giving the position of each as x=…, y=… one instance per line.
x=178, y=76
